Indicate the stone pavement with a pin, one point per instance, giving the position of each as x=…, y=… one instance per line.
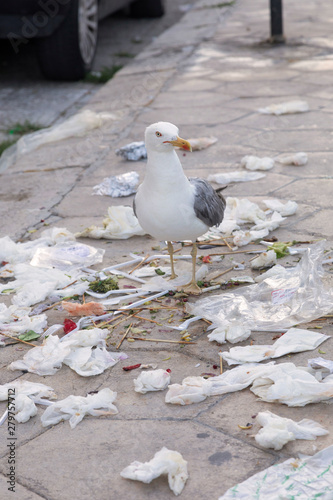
x=207, y=74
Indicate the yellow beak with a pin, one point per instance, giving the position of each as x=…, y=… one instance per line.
x=181, y=143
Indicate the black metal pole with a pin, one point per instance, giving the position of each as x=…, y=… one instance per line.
x=276, y=21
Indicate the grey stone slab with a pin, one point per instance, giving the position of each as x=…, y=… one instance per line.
x=20, y=491
x=245, y=406
x=316, y=192
x=26, y=199
x=215, y=461
x=260, y=187
x=317, y=224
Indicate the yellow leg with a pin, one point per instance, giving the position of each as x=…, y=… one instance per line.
x=170, y=250
x=192, y=287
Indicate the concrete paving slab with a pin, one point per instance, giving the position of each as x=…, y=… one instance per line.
x=20, y=491
x=215, y=461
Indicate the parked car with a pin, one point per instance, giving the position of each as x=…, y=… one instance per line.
x=66, y=30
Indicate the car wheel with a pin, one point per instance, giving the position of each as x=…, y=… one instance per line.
x=147, y=8
x=69, y=52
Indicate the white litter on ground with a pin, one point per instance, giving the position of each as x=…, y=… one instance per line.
x=294, y=340
x=75, y=408
x=297, y=159
x=307, y=478
x=120, y=224
x=200, y=143
x=256, y=163
x=118, y=185
x=284, y=209
x=265, y=259
x=16, y=320
x=235, y=176
x=133, y=151
x=324, y=365
x=231, y=332
x=31, y=389
x=293, y=386
x=285, y=108
x=164, y=462
x=152, y=380
x=76, y=351
x=196, y=389
x=277, y=431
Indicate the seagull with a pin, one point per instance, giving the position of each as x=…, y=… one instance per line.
x=170, y=206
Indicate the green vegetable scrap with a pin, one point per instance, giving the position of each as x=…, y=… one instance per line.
x=29, y=335
x=103, y=286
x=159, y=272
x=280, y=248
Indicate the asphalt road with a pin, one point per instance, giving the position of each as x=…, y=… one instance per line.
x=26, y=95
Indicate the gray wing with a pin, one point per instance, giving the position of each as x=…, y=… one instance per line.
x=134, y=207
x=208, y=204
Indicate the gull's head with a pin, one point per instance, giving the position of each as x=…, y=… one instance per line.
x=163, y=136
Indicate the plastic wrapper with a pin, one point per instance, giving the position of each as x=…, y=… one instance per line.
x=285, y=108
x=282, y=300
x=277, y=431
x=134, y=151
x=202, y=142
x=120, y=224
x=305, y=478
x=152, y=380
x=284, y=209
x=235, y=176
x=67, y=255
x=294, y=340
x=77, y=125
x=231, y=332
x=75, y=408
x=277, y=270
x=265, y=259
x=118, y=185
x=242, y=238
x=324, y=365
x=32, y=293
x=197, y=389
x=164, y=462
x=150, y=272
x=297, y=159
x=293, y=386
x=256, y=163
x=86, y=309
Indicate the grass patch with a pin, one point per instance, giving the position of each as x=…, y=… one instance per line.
x=16, y=131
x=124, y=54
x=104, y=75
x=219, y=5
x=6, y=144
x=23, y=128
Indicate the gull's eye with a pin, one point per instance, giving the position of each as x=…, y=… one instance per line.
x=158, y=134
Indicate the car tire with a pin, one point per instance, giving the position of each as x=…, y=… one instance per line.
x=147, y=8
x=69, y=52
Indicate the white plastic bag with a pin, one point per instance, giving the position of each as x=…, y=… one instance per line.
x=164, y=462
x=235, y=176
x=282, y=300
x=284, y=209
x=307, y=478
